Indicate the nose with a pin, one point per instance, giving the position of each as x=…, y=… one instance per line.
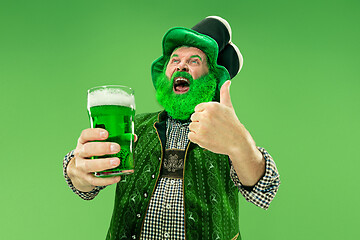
x=182, y=67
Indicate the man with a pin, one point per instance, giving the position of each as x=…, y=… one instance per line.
x=192, y=158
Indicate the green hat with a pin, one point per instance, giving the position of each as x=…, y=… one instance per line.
x=213, y=36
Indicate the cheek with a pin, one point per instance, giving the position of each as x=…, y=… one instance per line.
x=205, y=70
x=168, y=71
x=199, y=72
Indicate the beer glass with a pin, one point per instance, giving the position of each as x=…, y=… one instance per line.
x=113, y=108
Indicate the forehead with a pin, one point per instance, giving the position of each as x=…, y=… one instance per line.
x=188, y=52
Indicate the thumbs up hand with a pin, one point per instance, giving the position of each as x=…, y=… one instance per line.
x=216, y=127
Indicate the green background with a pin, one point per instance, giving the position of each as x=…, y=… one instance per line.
x=297, y=94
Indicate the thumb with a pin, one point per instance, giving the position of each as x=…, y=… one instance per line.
x=225, y=94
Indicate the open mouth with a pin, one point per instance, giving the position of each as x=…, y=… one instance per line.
x=181, y=85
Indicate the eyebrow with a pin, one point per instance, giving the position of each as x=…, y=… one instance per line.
x=196, y=56
x=193, y=56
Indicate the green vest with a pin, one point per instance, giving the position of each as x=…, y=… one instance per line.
x=210, y=196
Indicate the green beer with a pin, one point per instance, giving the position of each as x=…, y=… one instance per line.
x=113, y=108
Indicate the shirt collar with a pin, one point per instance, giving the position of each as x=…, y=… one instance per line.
x=180, y=122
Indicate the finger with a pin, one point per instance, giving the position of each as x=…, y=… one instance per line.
x=192, y=137
x=101, y=164
x=95, y=181
x=225, y=94
x=135, y=137
x=90, y=149
x=200, y=107
x=92, y=134
x=195, y=117
x=194, y=127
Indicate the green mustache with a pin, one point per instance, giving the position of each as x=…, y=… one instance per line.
x=183, y=75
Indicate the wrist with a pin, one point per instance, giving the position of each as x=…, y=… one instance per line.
x=68, y=169
x=243, y=149
x=77, y=182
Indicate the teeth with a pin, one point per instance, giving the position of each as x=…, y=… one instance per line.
x=181, y=79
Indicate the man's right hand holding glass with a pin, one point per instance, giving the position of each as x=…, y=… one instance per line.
x=81, y=168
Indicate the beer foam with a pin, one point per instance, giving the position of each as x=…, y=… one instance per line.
x=111, y=96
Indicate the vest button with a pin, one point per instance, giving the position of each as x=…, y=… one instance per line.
x=159, y=158
x=133, y=237
x=145, y=195
x=153, y=176
x=138, y=215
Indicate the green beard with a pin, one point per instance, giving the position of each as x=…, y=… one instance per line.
x=181, y=106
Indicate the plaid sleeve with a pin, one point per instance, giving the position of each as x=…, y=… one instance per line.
x=84, y=195
x=263, y=192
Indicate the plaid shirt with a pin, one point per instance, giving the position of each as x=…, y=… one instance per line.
x=165, y=216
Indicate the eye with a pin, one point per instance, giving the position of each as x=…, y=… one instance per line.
x=174, y=60
x=194, y=61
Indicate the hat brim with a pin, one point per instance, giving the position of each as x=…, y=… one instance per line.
x=179, y=36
